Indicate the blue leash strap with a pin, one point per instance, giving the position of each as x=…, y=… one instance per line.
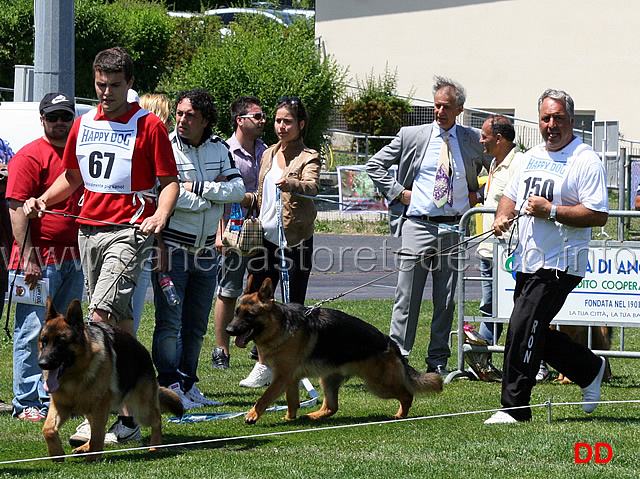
x=213, y=416
x=282, y=243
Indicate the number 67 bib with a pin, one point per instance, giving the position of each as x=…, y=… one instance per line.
x=104, y=150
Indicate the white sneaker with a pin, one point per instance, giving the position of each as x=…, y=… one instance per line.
x=260, y=376
x=186, y=402
x=543, y=372
x=82, y=434
x=591, y=394
x=196, y=396
x=501, y=417
x=119, y=433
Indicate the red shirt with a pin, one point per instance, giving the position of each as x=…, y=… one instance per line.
x=31, y=172
x=152, y=157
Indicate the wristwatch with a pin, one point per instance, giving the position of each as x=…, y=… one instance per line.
x=552, y=213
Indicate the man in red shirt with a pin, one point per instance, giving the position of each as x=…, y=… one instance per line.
x=50, y=252
x=118, y=152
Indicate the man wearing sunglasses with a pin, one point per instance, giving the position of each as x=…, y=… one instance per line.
x=51, y=248
x=246, y=147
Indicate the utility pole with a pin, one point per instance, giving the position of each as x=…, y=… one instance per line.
x=54, y=55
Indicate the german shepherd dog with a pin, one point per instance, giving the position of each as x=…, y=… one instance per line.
x=328, y=344
x=93, y=369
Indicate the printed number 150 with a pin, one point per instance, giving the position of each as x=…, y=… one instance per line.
x=535, y=186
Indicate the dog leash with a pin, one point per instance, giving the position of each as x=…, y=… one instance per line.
x=212, y=416
x=108, y=223
x=284, y=275
x=421, y=257
x=282, y=244
x=15, y=276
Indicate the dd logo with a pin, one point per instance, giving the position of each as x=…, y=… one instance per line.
x=598, y=446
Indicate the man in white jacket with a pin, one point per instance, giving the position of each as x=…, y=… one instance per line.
x=208, y=179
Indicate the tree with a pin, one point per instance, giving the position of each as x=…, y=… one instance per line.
x=375, y=107
x=268, y=60
x=143, y=28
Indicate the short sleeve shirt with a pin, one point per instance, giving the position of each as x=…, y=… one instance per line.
x=152, y=157
x=574, y=175
x=31, y=172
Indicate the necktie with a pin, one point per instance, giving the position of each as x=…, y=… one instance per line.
x=443, y=188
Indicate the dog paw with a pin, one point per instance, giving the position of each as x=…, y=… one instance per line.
x=82, y=449
x=251, y=418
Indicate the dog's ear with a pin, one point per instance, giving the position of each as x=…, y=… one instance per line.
x=266, y=291
x=247, y=289
x=74, y=313
x=50, y=310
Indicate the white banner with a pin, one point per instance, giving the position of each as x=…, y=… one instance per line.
x=609, y=292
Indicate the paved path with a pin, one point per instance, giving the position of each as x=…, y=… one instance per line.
x=342, y=262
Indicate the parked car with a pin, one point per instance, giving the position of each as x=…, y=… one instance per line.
x=228, y=15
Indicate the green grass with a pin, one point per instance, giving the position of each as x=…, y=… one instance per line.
x=450, y=447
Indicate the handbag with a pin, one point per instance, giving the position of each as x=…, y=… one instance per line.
x=249, y=239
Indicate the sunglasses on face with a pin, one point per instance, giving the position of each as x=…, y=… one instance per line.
x=256, y=116
x=53, y=117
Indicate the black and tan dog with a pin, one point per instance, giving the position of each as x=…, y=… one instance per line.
x=93, y=369
x=328, y=344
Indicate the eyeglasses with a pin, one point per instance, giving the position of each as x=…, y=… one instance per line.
x=256, y=116
x=53, y=117
x=290, y=99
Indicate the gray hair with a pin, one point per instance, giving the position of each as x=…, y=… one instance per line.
x=558, y=95
x=458, y=90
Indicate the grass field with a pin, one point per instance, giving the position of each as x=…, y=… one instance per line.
x=348, y=444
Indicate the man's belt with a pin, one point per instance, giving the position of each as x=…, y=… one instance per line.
x=436, y=219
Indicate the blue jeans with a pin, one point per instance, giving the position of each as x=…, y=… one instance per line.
x=180, y=329
x=486, y=303
x=66, y=283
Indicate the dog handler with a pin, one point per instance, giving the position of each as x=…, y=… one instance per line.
x=51, y=249
x=117, y=151
x=560, y=192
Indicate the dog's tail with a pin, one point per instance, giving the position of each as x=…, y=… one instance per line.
x=422, y=383
x=416, y=382
x=170, y=402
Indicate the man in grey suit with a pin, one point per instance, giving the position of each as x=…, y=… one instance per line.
x=437, y=181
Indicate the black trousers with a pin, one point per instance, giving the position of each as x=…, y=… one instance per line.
x=267, y=265
x=537, y=299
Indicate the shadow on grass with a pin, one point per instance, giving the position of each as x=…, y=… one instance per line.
x=603, y=419
x=169, y=451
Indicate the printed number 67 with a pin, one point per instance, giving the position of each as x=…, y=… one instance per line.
x=95, y=164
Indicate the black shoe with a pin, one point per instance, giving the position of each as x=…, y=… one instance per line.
x=440, y=369
x=219, y=360
x=253, y=354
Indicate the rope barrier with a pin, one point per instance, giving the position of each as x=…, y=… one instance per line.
x=546, y=404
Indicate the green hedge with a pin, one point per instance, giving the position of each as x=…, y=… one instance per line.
x=142, y=27
x=16, y=39
x=267, y=60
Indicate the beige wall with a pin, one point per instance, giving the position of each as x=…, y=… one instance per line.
x=505, y=52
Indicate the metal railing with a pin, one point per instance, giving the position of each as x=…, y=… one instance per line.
x=463, y=347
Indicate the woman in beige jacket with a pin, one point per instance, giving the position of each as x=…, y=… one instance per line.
x=295, y=169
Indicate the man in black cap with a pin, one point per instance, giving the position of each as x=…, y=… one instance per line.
x=51, y=248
